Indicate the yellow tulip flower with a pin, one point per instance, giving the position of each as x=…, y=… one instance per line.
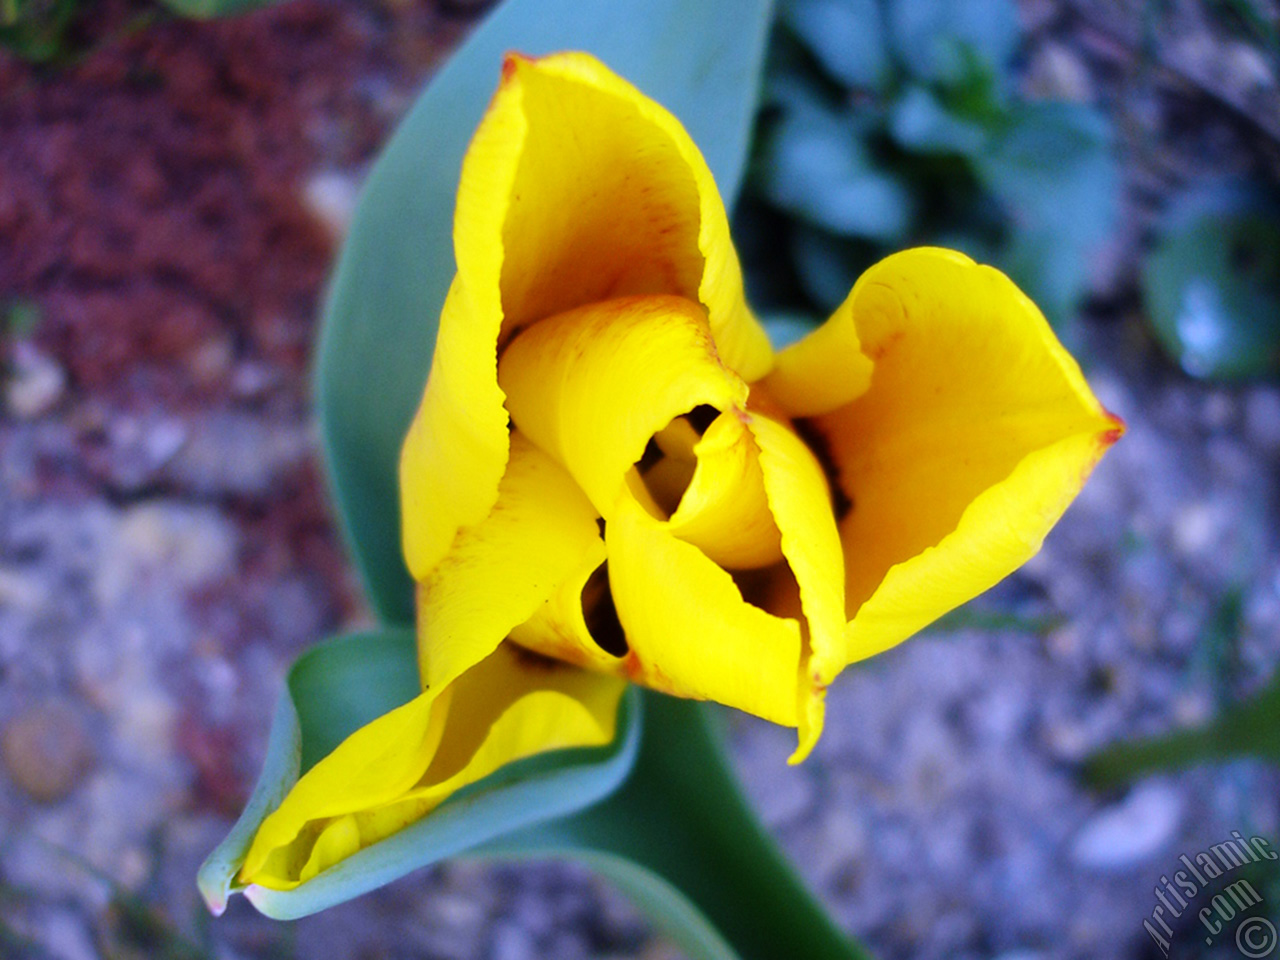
x=612, y=477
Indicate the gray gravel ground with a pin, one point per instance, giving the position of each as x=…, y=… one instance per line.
x=145, y=625
x=940, y=816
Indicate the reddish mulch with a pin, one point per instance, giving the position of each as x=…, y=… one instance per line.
x=149, y=195
x=151, y=207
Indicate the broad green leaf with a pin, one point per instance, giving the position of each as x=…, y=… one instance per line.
x=920, y=123
x=1045, y=149
x=680, y=833
x=345, y=683
x=280, y=771
x=933, y=37
x=701, y=60
x=792, y=85
x=654, y=896
x=1212, y=283
x=846, y=36
x=815, y=167
x=1054, y=170
x=205, y=9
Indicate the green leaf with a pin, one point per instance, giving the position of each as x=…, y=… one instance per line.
x=846, y=36
x=1212, y=283
x=207, y=9
x=1054, y=171
x=649, y=892
x=346, y=683
x=827, y=266
x=702, y=61
x=678, y=833
x=1248, y=729
x=816, y=167
x=338, y=687
x=919, y=122
x=1047, y=147
x=36, y=30
x=934, y=37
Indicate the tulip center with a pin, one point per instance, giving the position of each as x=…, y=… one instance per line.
x=600, y=615
x=669, y=460
x=700, y=475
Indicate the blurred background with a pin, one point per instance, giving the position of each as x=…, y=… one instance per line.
x=172, y=193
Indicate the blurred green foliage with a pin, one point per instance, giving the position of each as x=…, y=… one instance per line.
x=37, y=29
x=891, y=123
x=1250, y=19
x=1211, y=283
x=42, y=30
x=1239, y=729
x=207, y=9
x=1247, y=729
x=21, y=317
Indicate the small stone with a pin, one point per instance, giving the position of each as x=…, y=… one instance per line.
x=141, y=445
x=1038, y=15
x=252, y=380
x=843, y=841
x=1130, y=832
x=211, y=361
x=1217, y=411
x=189, y=546
x=1196, y=528
x=783, y=794
x=66, y=937
x=1192, y=708
x=34, y=382
x=20, y=590
x=510, y=942
x=331, y=197
x=1246, y=68
x=46, y=750
x=236, y=454
x=660, y=948
x=1262, y=418
x=1058, y=73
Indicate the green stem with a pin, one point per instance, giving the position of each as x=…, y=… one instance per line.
x=682, y=817
x=1246, y=729
x=1126, y=762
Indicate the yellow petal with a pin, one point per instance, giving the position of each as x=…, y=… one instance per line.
x=456, y=448
x=374, y=766
x=498, y=572
x=725, y=511
x=975, y=434
x=578, y=623
x=592, y=386
x=403, y=765
x=823, y=371
x=576, y=188
x=689, y=629
x=611, y=197
x=800, y=500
